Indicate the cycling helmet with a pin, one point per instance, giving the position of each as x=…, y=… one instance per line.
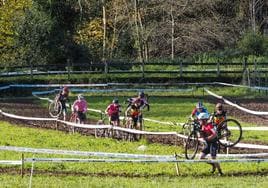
x=203, y=115
x=219, y=106
x=115, y=101
x=80, y=96
x=65, y=88
x=141, y=94
x=199, y=105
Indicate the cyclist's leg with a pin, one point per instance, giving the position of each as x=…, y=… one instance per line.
x=64, y=111
x=213, y=152
x=139, y=122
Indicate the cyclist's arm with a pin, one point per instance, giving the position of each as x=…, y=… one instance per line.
x=106, y=110
x=127, y=111
x=212, y=136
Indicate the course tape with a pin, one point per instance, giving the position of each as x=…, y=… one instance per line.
x=235, y=105
x=144, y=161
x=133, y=131
x=130, y=90
x=10, y=162
x=4, y=87
x=26, y=118
x=83, y=153
x=243, y=86
x=118, y=155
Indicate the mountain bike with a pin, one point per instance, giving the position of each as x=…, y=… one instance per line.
x=74, y=119
x=229, y=133
x=129, y=123
x=55, y=108
x=106, y=133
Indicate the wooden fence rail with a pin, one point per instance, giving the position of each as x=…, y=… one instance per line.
x=180, y=69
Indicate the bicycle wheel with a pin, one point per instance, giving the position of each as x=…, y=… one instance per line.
x=55, y=109
x=187, y=129
x=191, y=146
x=229, y=132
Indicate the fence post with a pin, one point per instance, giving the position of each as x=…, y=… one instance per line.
x=31, y=70
x=22, y=165
x=180, y=68
x=218, y=68
x=244, y=71
x=142, y=69
x=106, y=68
x=255, y=72
x=68, y=68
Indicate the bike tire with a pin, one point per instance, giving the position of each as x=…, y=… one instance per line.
x=191, y=146
x=227, y=137
x=55, y=109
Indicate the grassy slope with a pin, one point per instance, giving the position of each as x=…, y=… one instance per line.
x=150, y=174
x=175, y=108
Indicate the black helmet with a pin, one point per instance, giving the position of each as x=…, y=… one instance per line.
x=115, y=101
x=141, y=94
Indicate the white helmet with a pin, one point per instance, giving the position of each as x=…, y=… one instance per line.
x=203, y=115
x=80, y=96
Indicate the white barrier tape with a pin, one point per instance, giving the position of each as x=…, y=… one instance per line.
x=82, y=153
x=134, y=131
x=27, y=118
x=10, y=162
x=229, y=127
x=43, y=98
x=144, y=161
x=248, y=155
x=235, y=105
x=250, y=146
x=162, y=122
x=4, y=87
x=95, y=110
x=88, y=126
x=57, y=85
x=43, y=92
x=250, y=128
x=235, y=85
x=131, y=90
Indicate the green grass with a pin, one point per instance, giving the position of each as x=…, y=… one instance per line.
x=173, y=107
x=162, y=181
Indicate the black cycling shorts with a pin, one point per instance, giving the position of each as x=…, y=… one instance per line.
x=210, y=147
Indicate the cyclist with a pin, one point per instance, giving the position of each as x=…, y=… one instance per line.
x=219, y=115
x=209, y=134
x=113, y=110
x=199, y=108
x=139, y=102
x=80, y=107
x=63, y=97
x=133, y=111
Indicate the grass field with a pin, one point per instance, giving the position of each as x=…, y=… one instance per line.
x=171, y=107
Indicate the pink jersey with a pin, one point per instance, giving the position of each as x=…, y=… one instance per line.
x=80, y=106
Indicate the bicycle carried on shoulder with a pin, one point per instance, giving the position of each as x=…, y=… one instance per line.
x=229, y=133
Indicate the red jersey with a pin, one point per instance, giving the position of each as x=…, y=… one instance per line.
x=113, y=109
x=208, y=129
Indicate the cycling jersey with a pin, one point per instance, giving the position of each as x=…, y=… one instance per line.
x=208, y=129
x=113, y=109
x=80, y=106
x=134, y=111
x=218, y=118
x=141, y=102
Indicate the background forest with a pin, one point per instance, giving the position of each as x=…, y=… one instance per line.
x=83, y=31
